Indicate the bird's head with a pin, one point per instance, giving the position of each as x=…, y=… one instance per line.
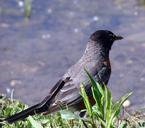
x=105, y=38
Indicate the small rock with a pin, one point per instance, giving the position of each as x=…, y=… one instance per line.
x=49, y=11
x=4, y=25
x=95, y=18
x=76, y=30
x=136, y=13
x=126, y=104
x=8, y=90
x=46, y=36
x=20, y=3
x=15, y=82
x=129, y=62
x=142, y=79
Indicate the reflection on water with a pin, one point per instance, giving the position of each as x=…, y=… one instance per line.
x=34, y=54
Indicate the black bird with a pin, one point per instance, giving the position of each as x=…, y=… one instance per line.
x=67, y=91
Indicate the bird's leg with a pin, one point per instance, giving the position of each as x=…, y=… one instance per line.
x=82, y=115
x=1, y=123
x=62, y=105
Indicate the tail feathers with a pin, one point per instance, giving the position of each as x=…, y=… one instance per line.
x=22, y=115
x=36, y=109
x=41, y=107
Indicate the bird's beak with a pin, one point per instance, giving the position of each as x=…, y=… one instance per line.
x=118, y=38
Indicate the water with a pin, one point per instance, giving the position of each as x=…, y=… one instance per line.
x=34, y=54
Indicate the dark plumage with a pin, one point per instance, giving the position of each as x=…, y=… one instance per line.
x=95, y=59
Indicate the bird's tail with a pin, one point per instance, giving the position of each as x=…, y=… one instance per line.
x=41, y=107
x=22, y=115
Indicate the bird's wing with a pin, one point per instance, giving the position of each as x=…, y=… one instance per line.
x=54, y=91
x=70, y=93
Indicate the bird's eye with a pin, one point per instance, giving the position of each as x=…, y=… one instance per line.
x=111, y=35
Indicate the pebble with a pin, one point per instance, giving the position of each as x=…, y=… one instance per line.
x=8, y=90
x=49, y=10
x=126, y=104
x=4, y=25
x=76, y=30
x=46, y=36
x=129, y=62
x=15, y=82
x=20, y=3
x=95, y=18
x=136, y=13
x=142, y=79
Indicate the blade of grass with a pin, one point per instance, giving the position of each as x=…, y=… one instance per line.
x=86, y=101
x=34, y=123
x=116, y=108
x=97, y=90
x=27, y=8
x=108, y=103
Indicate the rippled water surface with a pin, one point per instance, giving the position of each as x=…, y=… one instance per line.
x=35, y=53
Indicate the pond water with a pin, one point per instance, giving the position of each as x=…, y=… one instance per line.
x=35, y=53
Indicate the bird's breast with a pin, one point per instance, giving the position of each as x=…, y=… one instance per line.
x=106, y=62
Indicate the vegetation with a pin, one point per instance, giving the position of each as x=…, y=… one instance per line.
x=104, y=114
x=27, y=8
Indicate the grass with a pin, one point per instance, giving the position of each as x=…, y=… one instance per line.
x=104, y=114
x=27, y=8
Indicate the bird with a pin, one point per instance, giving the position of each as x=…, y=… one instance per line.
x=67, y=90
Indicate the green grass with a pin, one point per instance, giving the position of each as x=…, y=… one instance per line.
x=105, y=113
x=9, y=107
x=27, y=8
